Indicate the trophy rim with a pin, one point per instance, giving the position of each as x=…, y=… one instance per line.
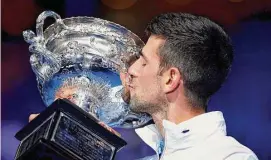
x=90, y=19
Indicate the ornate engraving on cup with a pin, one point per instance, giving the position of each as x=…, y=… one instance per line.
x=79, y=58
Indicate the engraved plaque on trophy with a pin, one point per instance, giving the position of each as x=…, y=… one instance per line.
x=76, y=62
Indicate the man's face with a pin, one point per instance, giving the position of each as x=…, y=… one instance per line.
x=145, y=82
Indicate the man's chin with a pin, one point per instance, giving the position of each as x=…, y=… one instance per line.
x=136, y=110
x=132, y=103
x=134, y=106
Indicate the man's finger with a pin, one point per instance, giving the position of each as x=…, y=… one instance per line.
x=109, y=129
x=32, y=116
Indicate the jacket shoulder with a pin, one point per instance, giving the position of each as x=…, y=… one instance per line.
x=233, y=150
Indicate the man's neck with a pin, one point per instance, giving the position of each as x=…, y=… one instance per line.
x=158, y=120
x=175, y=114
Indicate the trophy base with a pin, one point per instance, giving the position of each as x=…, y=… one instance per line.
x=65, y=132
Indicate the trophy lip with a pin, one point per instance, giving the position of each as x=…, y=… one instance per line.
x=138, y=41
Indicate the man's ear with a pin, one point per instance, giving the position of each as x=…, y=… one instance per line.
x=171, y=79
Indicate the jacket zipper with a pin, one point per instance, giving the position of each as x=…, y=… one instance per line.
x=164, y=149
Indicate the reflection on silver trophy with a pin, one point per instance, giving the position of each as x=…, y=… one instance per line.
x=79, y=59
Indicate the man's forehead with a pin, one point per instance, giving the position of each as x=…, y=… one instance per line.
x=153, y=44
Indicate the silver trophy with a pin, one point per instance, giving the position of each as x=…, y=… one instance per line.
x=79, y=59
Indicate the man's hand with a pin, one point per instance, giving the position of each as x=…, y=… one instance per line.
x=33, y=116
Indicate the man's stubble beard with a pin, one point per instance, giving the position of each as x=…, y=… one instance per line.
x=157, y=105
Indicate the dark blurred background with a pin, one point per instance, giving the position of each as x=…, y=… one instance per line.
x=245, y=98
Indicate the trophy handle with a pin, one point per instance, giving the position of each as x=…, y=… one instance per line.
x=42, y=17
x=44, y=63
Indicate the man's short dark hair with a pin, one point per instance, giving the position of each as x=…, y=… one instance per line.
x=199, y=48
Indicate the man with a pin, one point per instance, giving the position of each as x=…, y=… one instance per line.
x=184, y=62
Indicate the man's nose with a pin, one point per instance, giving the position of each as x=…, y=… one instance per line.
x=133, y=70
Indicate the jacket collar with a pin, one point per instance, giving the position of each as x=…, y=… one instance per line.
x=185, y=134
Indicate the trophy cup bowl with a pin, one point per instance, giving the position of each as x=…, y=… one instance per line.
x=77, y=62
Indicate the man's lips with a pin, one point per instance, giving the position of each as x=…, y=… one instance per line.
x=131, y=87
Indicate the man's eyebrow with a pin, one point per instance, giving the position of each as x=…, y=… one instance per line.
x=141, y=54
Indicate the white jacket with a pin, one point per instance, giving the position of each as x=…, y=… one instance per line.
x=200, y=138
